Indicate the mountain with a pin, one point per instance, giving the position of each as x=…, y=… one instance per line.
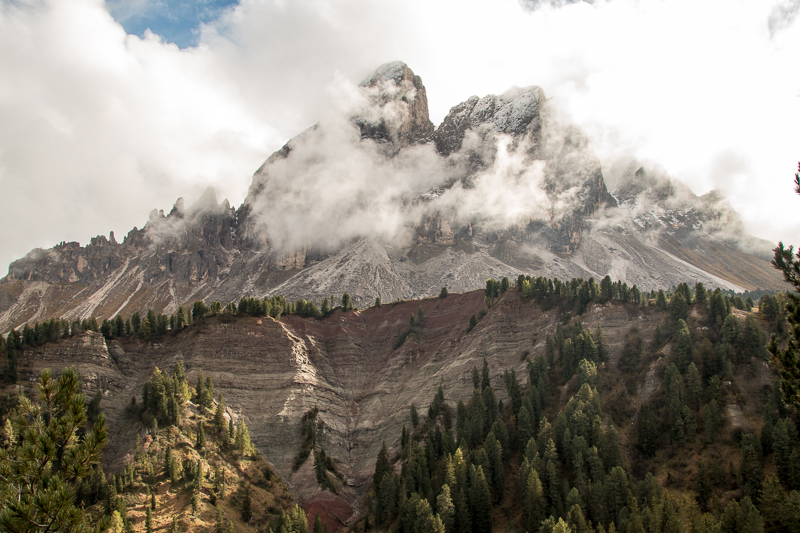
x=377, y=202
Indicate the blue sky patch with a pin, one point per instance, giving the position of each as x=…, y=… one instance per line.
x=177, y=21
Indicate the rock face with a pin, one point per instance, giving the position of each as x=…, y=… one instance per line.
x=396, y=83
x=517, y=112
x=499, y=188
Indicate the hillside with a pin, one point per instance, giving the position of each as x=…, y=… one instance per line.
x=360, y=372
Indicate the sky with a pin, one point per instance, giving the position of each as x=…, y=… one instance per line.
x=111, y=109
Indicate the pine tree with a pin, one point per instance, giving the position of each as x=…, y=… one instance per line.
x=533, y=503
x=319, y=527
x=382, y=466
x=242, y=439
x=247, y=511
x=661, y=300
x=445, y=507
x=480, y=503
x=219, y=417
x=116, y=524
x=700, y=295
x=55, y=445
x=678, y=308
x=201, y=437
x=683, y=346
x=788, y=359
x=414, y=416
x=180, y=318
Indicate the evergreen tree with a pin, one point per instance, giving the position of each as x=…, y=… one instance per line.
x=180, y=318
x=247, y=505
x=116, y=525
x=661, y=300
x=533, y=501
x=382, y=467
x=346, y=302
x=443, y=294
x=242, y=439
x=414, y=416
x=678, y=308
x=700, y=295
x=445, y=508
x=480, y=503
x=319, y=527
x=219, y=418
x=40, y=472
x=788, y=359
x=683, y=346
x=647, y=432
x=201, y=437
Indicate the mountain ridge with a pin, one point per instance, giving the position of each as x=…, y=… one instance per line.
x=499, y=188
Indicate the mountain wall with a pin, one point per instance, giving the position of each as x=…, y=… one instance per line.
x=378, y=203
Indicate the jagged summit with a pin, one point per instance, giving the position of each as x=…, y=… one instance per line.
x=395, y=89
x=378, y=203
x=515, y=112
x=396, y=71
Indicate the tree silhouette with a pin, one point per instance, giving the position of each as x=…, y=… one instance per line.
x=788, y=359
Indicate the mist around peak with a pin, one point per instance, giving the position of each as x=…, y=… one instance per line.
x=355, y=175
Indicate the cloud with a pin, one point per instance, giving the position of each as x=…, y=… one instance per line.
x=783, y=15
x=333, y=186
x=98, y=127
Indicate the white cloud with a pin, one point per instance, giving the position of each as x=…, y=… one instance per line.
x=97, y=128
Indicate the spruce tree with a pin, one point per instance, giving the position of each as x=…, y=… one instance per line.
x=247, y=510
x=445, y=507
x=414, y=416
x=219, y=418
x=788, y=359
x=382, y=467
x=201, y=437
x=480, y=503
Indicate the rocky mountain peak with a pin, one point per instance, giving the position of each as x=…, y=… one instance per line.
x=401, y=96
x=376, y=203
x=515, y=112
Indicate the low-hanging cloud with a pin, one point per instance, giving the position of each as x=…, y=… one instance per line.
x=334, y=186
x=98, y=127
